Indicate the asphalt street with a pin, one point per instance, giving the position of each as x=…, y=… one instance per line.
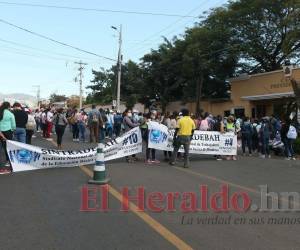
x=42, y=209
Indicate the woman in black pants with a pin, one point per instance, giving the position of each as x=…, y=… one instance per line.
x=60, y=121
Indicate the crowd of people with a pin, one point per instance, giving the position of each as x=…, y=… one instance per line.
x=258, y=136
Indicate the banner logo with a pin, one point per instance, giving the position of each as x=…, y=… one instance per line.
x=23, y=156
x=157, y=136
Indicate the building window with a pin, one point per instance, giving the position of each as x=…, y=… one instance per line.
x=226, y=113
x=260, y=111
x=253, y=113
x=239, y=113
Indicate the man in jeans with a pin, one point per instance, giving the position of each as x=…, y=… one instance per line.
x=21, y=121
x=183, y=136
x=93, y=123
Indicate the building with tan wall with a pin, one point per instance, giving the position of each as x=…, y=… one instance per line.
x=255, y=95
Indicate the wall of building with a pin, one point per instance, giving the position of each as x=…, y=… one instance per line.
x=259, y=84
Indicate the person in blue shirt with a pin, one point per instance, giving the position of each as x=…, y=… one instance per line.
x=118, y=120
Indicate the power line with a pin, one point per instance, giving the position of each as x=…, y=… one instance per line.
x=55, y=41
x=26, y=53
x=142, y=48
x=168, y=26
x=42, y=50
x=94, y=9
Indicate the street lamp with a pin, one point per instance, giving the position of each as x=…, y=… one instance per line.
x=119, y=65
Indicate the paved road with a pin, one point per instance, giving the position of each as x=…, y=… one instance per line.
x=41, y=209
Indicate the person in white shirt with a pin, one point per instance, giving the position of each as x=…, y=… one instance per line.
x=30, y=126
x=110, y=124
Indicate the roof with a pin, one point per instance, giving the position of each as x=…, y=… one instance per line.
x=246, y=76
x=268, y=96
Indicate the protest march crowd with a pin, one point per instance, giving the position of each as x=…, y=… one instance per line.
x=259, y=136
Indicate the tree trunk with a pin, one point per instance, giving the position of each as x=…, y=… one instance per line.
x=199, y=94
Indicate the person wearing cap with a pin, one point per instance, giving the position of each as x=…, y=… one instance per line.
x=21, y=120
x=183, y=136
x=30, y=125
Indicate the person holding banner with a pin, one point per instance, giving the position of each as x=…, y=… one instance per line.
x=167, y=122
x=150, y=159
x=183, y=136
x=128, y=125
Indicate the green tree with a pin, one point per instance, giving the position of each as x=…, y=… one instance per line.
x=265, y=32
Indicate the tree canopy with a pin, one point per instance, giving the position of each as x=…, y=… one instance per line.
x=244, y=36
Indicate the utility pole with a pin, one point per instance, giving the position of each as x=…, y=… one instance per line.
x=119, y=66
x=38, y=95
x=80, y=69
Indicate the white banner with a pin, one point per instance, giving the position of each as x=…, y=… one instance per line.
x=203, y=142
x=158, y=135
x=27, y=157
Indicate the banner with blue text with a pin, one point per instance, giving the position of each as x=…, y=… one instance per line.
x=27, y=157
x=203, y=142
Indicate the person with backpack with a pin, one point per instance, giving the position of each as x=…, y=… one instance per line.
x=288, y=136
x=93, y=124
x=247, y=132
x=30, y=126
x=60, y=122
x=265, y=133
x=73, y=119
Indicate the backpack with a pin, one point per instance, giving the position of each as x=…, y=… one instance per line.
x=30, y=125
x=72, y=120
x=217, y=126
x=204, y=125
x=278, y=125
x=292, y=133
x=95, y=118
x=254, y=131
x=246, y=128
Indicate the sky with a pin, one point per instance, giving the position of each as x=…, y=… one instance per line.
x=27, y=60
